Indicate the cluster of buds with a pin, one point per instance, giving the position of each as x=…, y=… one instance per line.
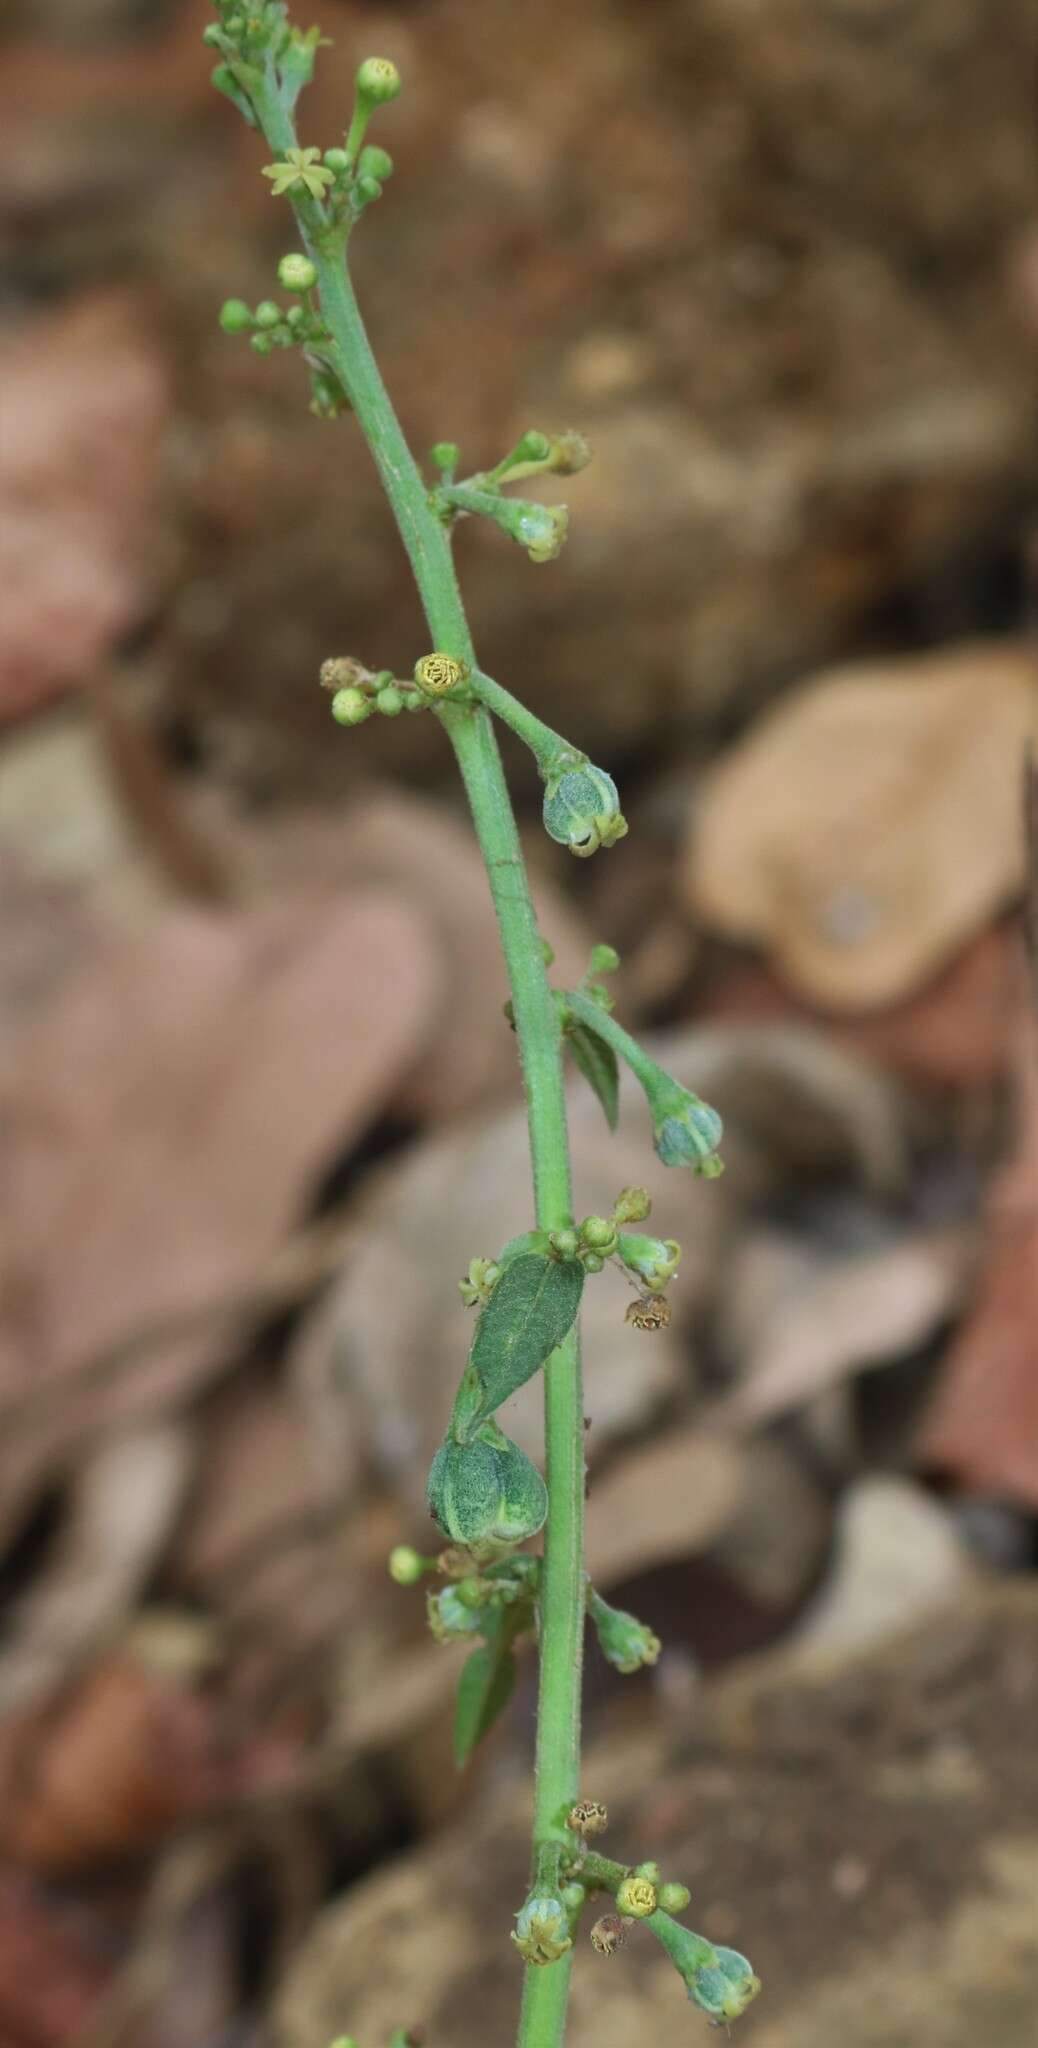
x=270, y=326
x=358, y=692
x=540, y=529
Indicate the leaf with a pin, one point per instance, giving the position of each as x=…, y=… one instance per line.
x=528, y=1314
x=484, y=1690
x=598, y=1064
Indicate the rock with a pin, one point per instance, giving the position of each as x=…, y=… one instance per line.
x=897, y=1558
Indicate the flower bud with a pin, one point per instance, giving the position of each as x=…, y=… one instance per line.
x=236, y=317
x=608, y=1934
x=598, y=1233
x=351, y=706
x=337, y=161
x=636, y=1897
x=603, y=960
x=632, y=1205
x=654, y=1259
x=268, y=314
x=673, y=1898
x=687, y=1132
x=445, y=455
x=378, y=81
x=296, y=273
x=367, y=189
x=479, y=1281
x=389, y=701
x=261, y=344
x=375, y=163
x=573, y=1897
x=564, y=1243
x=406, y=1566
x=569, y=452
x=437, y=674
x=542, y=1928
x=625, y=1642
x=650, y=1870
x=582, y=810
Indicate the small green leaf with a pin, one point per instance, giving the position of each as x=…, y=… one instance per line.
x=599, y=1066
x=529, y=1312
x=484, y=1689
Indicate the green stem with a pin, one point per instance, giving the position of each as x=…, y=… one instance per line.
x=551, y=752
x=588, y=1012
x=542, y=2022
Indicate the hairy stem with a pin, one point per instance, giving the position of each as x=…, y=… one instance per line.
x=542, y=2023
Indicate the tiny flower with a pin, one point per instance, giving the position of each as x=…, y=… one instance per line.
x=437, y=674
x=609, y=1933
x=654, y=1259
x=540, y=529
x=296, y=273
x=542, y=1928
x=725, y=1988
x=299, y=167
x=625, y=1642
x=479, y=1281
x=451, y=1618
x=673, y=1898
x=636, y=1897
x=582, y=810
x=588, y=1817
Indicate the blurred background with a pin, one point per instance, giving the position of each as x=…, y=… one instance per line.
x=779, y=260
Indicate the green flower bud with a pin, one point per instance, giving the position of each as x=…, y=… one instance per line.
x=267, y=314
x=632, y=1205
x=598, y=1233
x=686, y=1131
x=235, y=316
x=573, y=1897
x=673, y=1898
x=487, y=1491
x=296, y=317
x=351, y=707
x=329, y=400
x=603, y=960
x=654, y=1259
x=262, y=344
x=565, y=1243
x=367, y=189
x=636, y=1897
x=625, y=1642
x=542, y=1928
x=225, y=81
x=582, y=810
x=378, y=81
x=337, y=161
x=445, y=455
x=375, y=163
x=406, y=1566
x=282, y=335
x=212, y=36
x=593, y=1262
x=389, y=701
x=650, y=1870
x=569, y=452
x=296, y=273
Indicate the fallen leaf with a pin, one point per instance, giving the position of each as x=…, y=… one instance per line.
x=261, y=1482
x=173, y=1114
x=799, y=1318
x=669, y=1499
x=84, y=406
x=871, y=824
x=982, y=1425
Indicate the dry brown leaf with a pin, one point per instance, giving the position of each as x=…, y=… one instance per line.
x=84, y=406
x=430, y=859
x=121, y=1505
x=982, y=1426
x=261, y=1482
x=800, y=1320
x=670, y=1499
x=872, y=824
x=174, y=1112
x=127, y=1757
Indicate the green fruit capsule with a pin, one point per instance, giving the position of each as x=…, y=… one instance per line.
x=486, y=1491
